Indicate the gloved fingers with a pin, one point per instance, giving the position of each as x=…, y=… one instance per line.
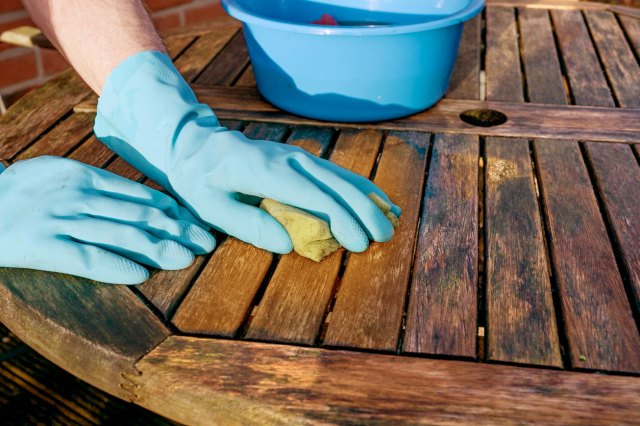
x=119, y=188
x=364, y=184
x=92, y=262
x=153, y=220
x=372, y=219
x=251, y=225
x=298, y=191
x=129, y=241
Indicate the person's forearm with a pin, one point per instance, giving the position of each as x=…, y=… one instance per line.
x=95, y=35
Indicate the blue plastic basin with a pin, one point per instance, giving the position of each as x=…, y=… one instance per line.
x=386, y=59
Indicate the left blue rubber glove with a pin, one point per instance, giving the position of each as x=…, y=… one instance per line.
x=149, y=115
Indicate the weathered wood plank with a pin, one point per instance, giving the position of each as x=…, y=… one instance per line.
x=371, y=299
x=230, y=280
x=176, y=45
x=618, y=59
x=504, y=80
x=224, y=69
x=92, y=152
x=632, y=29
x=541, y=64
x=197, y=57
x=442, y=314
x=617, y=177
x=124, y=169
x=300, y=290
x=465, y=78
x=35, y=112
x=202, y=28
x=94, y=331
x=211, y=383
x=524, y=119
x=521, y=322
x=62, y=138
x=247, y=79
x=586, y=79
x=599, y=325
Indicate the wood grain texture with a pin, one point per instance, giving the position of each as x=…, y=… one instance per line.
x=95, y=331
x=124, y=169
x=442, y=313
x=465, y=78
x=371, y=298
x=541, y=63
x=224, y=69
x=524, y=119
x=210, y=383
x=92, y=152
x=247, y=78
x=221, y=297
x=521, y=322
x=176, y=45
x=62, y=138
x=34, y=113
x=599, y=325
x=300, y=290
x=202, y=51
x=586, y=79
x=202, y=28
x=617, y=57
x=617, y=177
x=632, y=30
x=504, y=80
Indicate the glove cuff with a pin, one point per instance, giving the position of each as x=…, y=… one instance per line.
x=144, y=105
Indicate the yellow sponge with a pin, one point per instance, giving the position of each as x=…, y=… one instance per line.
x=310, y=235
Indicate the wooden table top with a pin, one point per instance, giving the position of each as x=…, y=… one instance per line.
x=518, y=247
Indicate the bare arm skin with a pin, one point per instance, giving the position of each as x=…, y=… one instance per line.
x=95, y=35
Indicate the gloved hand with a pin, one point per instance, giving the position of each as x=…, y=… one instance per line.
x=149, y=115
x=60, y=215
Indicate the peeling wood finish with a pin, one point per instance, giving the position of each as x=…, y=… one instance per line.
x=257, y=383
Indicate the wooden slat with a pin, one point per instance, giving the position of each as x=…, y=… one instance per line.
x=465, y=78
x=230, y=280
x=92, y=152
x=547, y=4
x=176, y=45
x=588, y=83
x=617, y=176
x=247, y=79
x=211, y=383
x=35, y=112
x=442, y=314
x=195, y=59
x=124, y=169
x=300, y=290
x=618, y=59
x=504, y=80
x=598, y=321
x=94, y=331
x=202, y=28
x=524, y=119
x=632, y=29
x=371, y=298
x=62, y=138
x=541, y=64
x=165, y=289
x=227, y=65
x=521, y=323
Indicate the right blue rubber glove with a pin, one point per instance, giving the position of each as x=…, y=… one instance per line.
x=60, y=215
x=149, y=115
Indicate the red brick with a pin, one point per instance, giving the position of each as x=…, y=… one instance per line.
x=10, y=5
x=13, y=24
x=154, y=5
x=52, y=61
x=203, y=12
x=167, y=21
x=18, y=68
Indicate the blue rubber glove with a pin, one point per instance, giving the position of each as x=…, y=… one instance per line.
x=60, y=215
x=149, y=115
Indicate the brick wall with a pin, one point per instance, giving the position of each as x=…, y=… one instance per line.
x=22, y=69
